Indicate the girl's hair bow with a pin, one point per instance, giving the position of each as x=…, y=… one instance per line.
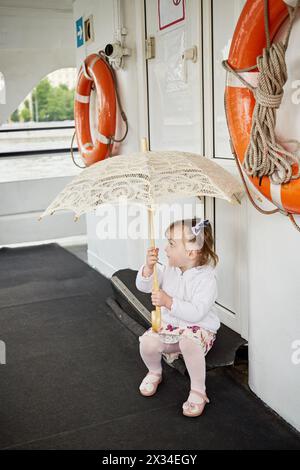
x=196, y=229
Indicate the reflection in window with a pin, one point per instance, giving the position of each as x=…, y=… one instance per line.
x=2, y=89
x=225, y=16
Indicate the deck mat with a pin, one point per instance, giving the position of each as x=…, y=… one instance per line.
x=72, y=372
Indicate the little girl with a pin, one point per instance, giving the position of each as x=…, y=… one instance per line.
x=187, y=294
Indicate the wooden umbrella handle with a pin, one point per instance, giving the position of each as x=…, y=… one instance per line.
x=155, y=314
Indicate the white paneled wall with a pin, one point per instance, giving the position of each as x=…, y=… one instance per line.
x=26, y=190
x=259, y=271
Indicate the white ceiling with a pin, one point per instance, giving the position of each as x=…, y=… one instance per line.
x=64, y=5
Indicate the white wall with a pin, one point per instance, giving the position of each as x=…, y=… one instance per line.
x=269, y=267
x=109, y=255
x=27, y=187
x=36, y=38
x=274, y=313
x=270, y=243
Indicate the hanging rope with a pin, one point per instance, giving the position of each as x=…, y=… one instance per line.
x=72, y=153
x=264, y=156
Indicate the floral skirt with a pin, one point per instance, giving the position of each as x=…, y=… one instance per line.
x=169, y=334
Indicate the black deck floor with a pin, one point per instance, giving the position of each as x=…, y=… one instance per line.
x=72, y=373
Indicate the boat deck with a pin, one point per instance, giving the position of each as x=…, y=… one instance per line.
x=73, y=370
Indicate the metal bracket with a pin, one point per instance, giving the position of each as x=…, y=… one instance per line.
x=150, y=48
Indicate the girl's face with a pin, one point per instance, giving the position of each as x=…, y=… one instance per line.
x=175, y=250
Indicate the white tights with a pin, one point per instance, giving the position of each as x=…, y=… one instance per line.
x=151, y=349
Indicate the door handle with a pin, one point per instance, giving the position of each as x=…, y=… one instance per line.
x=189, y=54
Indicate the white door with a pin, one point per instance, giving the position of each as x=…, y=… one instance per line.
x=175, y=90
x=175, y=83
x=185, y=100
x=230, y=222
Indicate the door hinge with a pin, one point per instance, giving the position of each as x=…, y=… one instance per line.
x=150, y=48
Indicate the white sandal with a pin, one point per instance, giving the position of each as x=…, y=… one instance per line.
x=192, y=409
x=150, y=383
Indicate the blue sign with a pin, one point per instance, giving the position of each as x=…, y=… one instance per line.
x=79, y=31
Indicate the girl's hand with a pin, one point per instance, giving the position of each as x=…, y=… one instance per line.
x=161, y=299
x=151, y=259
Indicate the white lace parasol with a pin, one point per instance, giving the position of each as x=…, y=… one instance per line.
x=146, y=177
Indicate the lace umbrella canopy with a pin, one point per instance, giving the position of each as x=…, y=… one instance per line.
x=147, y=178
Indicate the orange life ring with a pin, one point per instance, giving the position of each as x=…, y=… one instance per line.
x=248, y=41
x=95, y=71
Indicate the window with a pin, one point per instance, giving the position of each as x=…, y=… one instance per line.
x=225, y=16
x=44, y=121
